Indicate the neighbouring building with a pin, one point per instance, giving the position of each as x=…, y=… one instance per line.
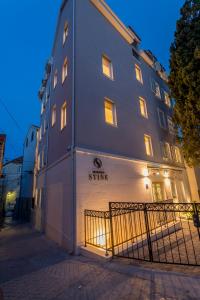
x=106, y=124
x=25, y=199
x=194, y=181
x=2, y=150
x=12, y=172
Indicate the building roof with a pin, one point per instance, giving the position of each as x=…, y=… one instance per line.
x=17, y=161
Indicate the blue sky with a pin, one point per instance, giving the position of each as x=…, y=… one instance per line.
x=27, y=30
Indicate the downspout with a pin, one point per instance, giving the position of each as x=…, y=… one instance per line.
x=48, y=117
x=73, y=147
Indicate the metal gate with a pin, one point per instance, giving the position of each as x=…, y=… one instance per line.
x=156, y=232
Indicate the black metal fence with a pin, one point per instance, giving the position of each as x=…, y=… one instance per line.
x=155, y=232
x=97, y=229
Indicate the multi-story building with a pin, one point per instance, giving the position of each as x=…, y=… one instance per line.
x=24, y=202
x=12, y=172
x=2, y=150
x=106, y=124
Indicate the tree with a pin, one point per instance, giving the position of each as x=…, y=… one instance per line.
x=184, y=80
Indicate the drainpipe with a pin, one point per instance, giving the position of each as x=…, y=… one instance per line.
x=48, y=119
x=73, y=147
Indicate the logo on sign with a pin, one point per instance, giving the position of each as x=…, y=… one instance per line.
x=98, y=174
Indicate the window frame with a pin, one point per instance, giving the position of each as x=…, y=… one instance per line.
x=167, y=99
x=65, y=32
x=63, y=116
x=171, y=126
x=64, y=70
x=146, y=136
x=105, y=57
x=164, y=118
x=53, y=115
x=154, y=83
x=114, y=112
x=55, y=78
x=140, y=79
x=145, y=115
x=166, y=149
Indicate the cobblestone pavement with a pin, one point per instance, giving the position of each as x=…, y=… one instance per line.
x=34, y=268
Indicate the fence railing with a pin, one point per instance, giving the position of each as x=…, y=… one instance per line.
x=147, y=231
x=97, y=229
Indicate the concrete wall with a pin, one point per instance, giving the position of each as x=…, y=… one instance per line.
x=59, y=207
x=95, y=36
x=127, y=181
x=28, y=163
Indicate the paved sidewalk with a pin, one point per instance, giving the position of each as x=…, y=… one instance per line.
x=34, y=268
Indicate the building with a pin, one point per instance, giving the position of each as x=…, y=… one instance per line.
x=194, y=181
x=2, y=150
x=24, y=203
x=12, y=171
x=106, y=124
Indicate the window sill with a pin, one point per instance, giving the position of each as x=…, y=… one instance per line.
x=112, y=125
x=63, y=81
x=108, y=77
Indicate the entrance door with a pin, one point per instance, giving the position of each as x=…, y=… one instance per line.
x=158, y=191
x=174, y=191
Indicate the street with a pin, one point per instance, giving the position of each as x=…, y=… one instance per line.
x=34, y=268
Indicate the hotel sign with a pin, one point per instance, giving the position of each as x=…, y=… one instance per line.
x=98, y=173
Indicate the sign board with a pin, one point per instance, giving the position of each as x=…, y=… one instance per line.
x=97, y=173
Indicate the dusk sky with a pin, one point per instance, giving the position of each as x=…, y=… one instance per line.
x=27, y=30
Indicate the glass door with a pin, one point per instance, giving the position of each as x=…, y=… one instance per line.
x=158, y=191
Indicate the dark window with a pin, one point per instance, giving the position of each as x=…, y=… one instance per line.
x=32, y=136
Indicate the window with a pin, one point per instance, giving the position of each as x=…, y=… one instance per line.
x=63, y=115
x=38, y=162
x=155, y=88
x=55, y=79
x=171, y=125
x=177, y=155
x=143, y=107
x=65, y=32
x=64, y=70
x=110, y=112
x=53, y=116
x=166, y=151
x=107, y=67
x=32, y=136
x=148, y=145
x=162, y=120
x=138, y=73
x=167, y=99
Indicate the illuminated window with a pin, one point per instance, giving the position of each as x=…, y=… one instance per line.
x=162, y=120
x=55, y=79
x=138, y=73
x=110, y=112
x=64, y=70
x=167, y=99
x=177, y=154
x=65, y=32
x=53, y=116
x=166, y=151
x=143, y=107
x=155, y=88
x=63, y=115
x=148, y=145
x=171, y=125
x=107, y=67
x=38, y=162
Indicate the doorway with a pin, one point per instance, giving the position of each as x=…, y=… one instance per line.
x=158, y=191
